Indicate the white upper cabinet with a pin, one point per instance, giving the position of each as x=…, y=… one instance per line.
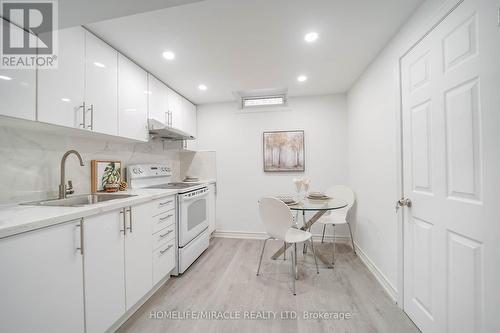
x=175, y=109
x=101, y=85
x=61, y=90
x=18, y=90
x=132, y=100
x=158, y=106
x=189, y=124
x=42, y=281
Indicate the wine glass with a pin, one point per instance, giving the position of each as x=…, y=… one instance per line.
x=298, y=187
x=305, y=184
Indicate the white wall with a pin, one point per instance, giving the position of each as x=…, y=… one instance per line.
x=237, y=139
x=373, y=125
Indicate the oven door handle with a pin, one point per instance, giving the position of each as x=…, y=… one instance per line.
x=183, y=198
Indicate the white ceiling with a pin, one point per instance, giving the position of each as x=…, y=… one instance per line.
x=234, y=45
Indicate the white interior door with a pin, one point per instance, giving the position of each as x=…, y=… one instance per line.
x=451, y=173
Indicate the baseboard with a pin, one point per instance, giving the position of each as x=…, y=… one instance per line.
x=381, y=278
x=263, y=235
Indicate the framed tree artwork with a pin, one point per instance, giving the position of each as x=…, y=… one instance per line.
x=284, y=151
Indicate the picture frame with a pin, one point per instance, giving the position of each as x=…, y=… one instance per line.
x=98, y=171
x=283, y=151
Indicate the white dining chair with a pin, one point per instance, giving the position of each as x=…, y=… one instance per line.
x=278, y=221
x=338, y=216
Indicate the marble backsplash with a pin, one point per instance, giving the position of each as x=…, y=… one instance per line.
x=30, y=161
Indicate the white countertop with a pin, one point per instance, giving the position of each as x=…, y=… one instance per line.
x=16, y=219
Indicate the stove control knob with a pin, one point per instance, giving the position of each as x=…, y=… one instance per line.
x=134, y=170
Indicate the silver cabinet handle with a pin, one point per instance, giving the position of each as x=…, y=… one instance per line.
x=165, y=217
x=129, y=211
x=81, y=236
x=168, y=248
x=167, y=233
x=122, y=214
x=84, y=110
x=165, y=203
x=91, y=126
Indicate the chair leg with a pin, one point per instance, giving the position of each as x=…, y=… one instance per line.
x=293, y=268
x=261, y=254
x=333, y=257
x=284, y=252
x=314, y=254
x=295, y=263
x=352, y=239
x=323, y=236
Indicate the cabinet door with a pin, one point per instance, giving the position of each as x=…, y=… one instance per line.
x=132, y=100
x=158, y=100
x=175, y=109
x=18, y=89
x=138, y=247
x=61, y=90
x=104, y=270
x=101, y=85
x=211, y=207
x=42, y=281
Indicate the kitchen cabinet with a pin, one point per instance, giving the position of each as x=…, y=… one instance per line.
x=104, y=272
x=132, y=100
x=61, y=90
x=101, y=85
x=18, y=89
x=175, y=109
x=158, y=107
x=211, y=206
x=138, y=260
x=42, y=281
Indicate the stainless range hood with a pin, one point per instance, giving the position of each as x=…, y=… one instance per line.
x=160, y=130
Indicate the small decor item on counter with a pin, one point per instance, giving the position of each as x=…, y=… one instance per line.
x=284, y=151
x=106, y=176
x=123, y=186
x=190, y=179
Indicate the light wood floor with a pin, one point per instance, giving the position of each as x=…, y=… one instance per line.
x=223, y=279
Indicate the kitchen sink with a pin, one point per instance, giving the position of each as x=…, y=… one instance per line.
x=80, y=200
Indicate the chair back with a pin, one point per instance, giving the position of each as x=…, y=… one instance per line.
x=276, y=216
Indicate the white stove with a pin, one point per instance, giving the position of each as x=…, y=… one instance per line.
x=192, y=215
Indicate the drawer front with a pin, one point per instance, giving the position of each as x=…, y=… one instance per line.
x=163, y=220
x=163, y=236
x=163, y=261
x=163, y=205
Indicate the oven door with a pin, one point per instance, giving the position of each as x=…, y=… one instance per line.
x=193, y=218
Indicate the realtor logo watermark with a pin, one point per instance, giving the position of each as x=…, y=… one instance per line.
x=29, y=34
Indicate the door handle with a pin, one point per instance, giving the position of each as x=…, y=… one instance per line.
x=122, y=214
x=403, y=202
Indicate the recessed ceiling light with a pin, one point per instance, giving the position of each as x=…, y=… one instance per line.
x=6, y=78
x=302, y=78
x=202, y=87
x=311, y=37
x=169, y=55
x=67, y=100
x=98, y=64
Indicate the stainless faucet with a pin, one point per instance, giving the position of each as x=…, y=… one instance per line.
x=63, y=191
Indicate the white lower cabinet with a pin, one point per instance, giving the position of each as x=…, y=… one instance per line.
x=163, y=260
x=41, y=276
x=138, y=261
x=104, y=272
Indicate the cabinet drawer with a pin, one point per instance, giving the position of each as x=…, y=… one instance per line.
x=162, y=205
x=163, y=236
x=163, y=220
x=163, y=261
